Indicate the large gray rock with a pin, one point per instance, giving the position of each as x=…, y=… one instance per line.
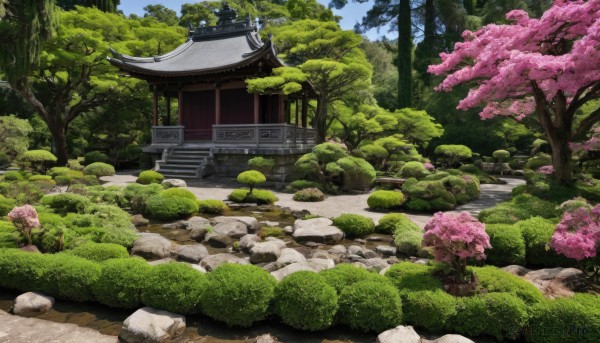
x=198, y=234
x=139, y=220
x=399, y=334
x=453, y=339
x=289, y=256
x=319, y=234
x=152, y=247
x=264, y=252
x=31, y=304
x=233, y=229
x=292, y=268
x=213, y=261
x=171, y=183
x=148, y=325
x=196, y=222
x=314, y=222
x=386, y=250
x=355, y=250
x=250, y=222
x=339, y=250
x=217, y=240
x=375, y=264
x=247, y=242
x=191, y=253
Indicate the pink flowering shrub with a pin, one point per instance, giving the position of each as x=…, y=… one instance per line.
x=577, y=236
x=455, y=237
x=428, y=166
x=25, y=219
x=547, y=170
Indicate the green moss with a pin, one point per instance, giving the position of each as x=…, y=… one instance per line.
x=354, y=225
x=150, y=176
x=508, y=246
x=413, y=169
x=169, y=208
x=259, y=196
x=344, y=275
x=385, y=199
x=390, y=222
x=121, y=282
x=99, y=252
x=178, y=192
x=410, y=277
x=212, y=206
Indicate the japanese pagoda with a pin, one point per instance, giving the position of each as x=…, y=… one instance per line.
x=219, y=124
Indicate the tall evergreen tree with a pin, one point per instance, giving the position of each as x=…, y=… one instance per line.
x=103, y=5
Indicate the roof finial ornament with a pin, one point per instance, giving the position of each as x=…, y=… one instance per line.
x=226, y=15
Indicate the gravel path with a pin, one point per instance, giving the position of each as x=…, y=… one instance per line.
x=333, y=206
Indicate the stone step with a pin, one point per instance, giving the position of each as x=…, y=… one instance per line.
x=180, y=151
x=178, y=161
x=169, y=167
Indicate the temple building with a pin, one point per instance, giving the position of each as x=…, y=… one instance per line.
x=219, y=124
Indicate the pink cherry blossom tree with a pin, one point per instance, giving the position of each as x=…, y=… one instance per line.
x=545, y=69
x=455, y=237
x=25, y=219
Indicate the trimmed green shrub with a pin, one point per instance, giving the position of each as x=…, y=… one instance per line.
x=178, y=192
x=354, y=225
x=304, y=300
x=410, y=277
x=537, y=161
x=430, y=310
x=271, y=231
x=370, y=306
x=169, y=208
x=259, y=196
x=99, y=252
x=424, y=189
x=95, y=156
x=508, y=246
x=445, y=202
x=174, y=287
x=6, y=205
x=251, y=178
x=261, y=164
x=238, y=295
x=496, y=314
x=356, y=171
x=12, y=176
x=71, y=277
x=563, y=321
x=374, y=154
x=111, y=195
x=470, y=168
x=150, y=176
x=5, y=160
x=66, y=202
x=537, y=233
x=390, y=222
x=344, y=275
x=58, y=171
x=88, y=180
x=309, y=195
x=574, y=204
x=408, y=239
x=23, y=271
x=502, y=214
x=436, y=176
x=40, y=178
x=297, y=185
x=413, y=169
x=137, y=195
x=39, y=159
x=385, y=199
x=212, y=206
x=452, y=154
x=418, y=205
x=63, y=180
x=99, y=169
x=501, y=155
x=121, y=282
x=495, y=280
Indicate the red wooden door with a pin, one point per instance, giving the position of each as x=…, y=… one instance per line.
x=198, y=111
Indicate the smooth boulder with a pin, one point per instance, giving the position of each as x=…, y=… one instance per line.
x=213, y=261
x=251, y=223
x=318, y=234
x=191, y=253
x=172, y=183
x=233, y=229
x=264, y=252
x=399, y=334
x=152, y=246
x=31, y=304
x=289, y=256
x=148, y=325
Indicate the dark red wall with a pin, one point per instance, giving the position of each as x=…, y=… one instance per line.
x=198, y=111
x=237, y=106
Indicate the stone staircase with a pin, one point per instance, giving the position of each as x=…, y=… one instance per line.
x=183, y=162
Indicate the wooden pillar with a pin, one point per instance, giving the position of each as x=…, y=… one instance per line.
x=217, y=105
x=168, y=111
x=269, y=109
x=304, y=110
x=297, y=112
x=180, y=107
x=256, y=108
x=155, y=107
x=281, y=109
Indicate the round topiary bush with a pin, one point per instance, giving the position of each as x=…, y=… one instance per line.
x=137, y=195
x=430, y=310
x=370, y=306
x=261, y=164
x=508, y=246
x=309, y=195
x=408, y=239
x=212, y=206
x=390, y=222
x=95, y=156
x=12, y=175
x=169, y=208
x=251, y=178
x=343, y=275
x=66, y=203
x=496, y=314
x=121, y=282
x=174, y=287
x=71, y=277
x=99, y=169
x=385, y=200
x=56, y=171
x=40, y=178
x=238, y=295
x=178, y=192
x=305, y=301
x=99, y=252
x=413, y=169
x=38, y=159
x=259, y=196
x=354, y=225
x=150, y=176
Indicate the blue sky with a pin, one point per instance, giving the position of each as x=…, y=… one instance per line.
x=352, y=13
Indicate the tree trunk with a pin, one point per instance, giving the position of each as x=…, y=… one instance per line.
x=561, y=158
x=59, y=148
x=321, y=119
x=404, y=55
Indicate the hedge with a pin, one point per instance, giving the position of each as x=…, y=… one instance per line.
x=495, y=280
x=410, y=277
x=71, y=277
x=170, y=208
x=258, y=196
x=430, y=310
x=99, y=252
x=390, y=222
x=508, y=246
x=121, y=282
x=344, y=275
x=537, y=233
x=354, y=225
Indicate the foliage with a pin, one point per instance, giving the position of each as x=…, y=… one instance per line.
x=309, y=194
x=385, y=200
x=150, y=176
x=66, y=203
x=178, y=192
x=502, y=214
x=452, y=153
x=212, y=206
x=344, y=275
x=38, y=159
x=169, y=208
x=411, y=277
x=251, y=178
x=238, y=295
x=12, y=175
x=501, y=155
x=304, y=300
x=370, y=306
x=71, y=277
x=23, y=271
x=99, y=252
x=538, y=161
x=413, y=169
x=14, y=134
x=271, y=231
x=261, y=164
x=174, y=287
x=137, y=195
x=259, y=196
x=430, y=310
x=95, y=156
x=455, y=238
x=99, y=169
x=121, y=282
x=25, y=218
x=298, y=185
x=508, y=246
x=392, y=221
x=495, y=280
x=408, y=237
x=354, y=225
x=6, y=205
